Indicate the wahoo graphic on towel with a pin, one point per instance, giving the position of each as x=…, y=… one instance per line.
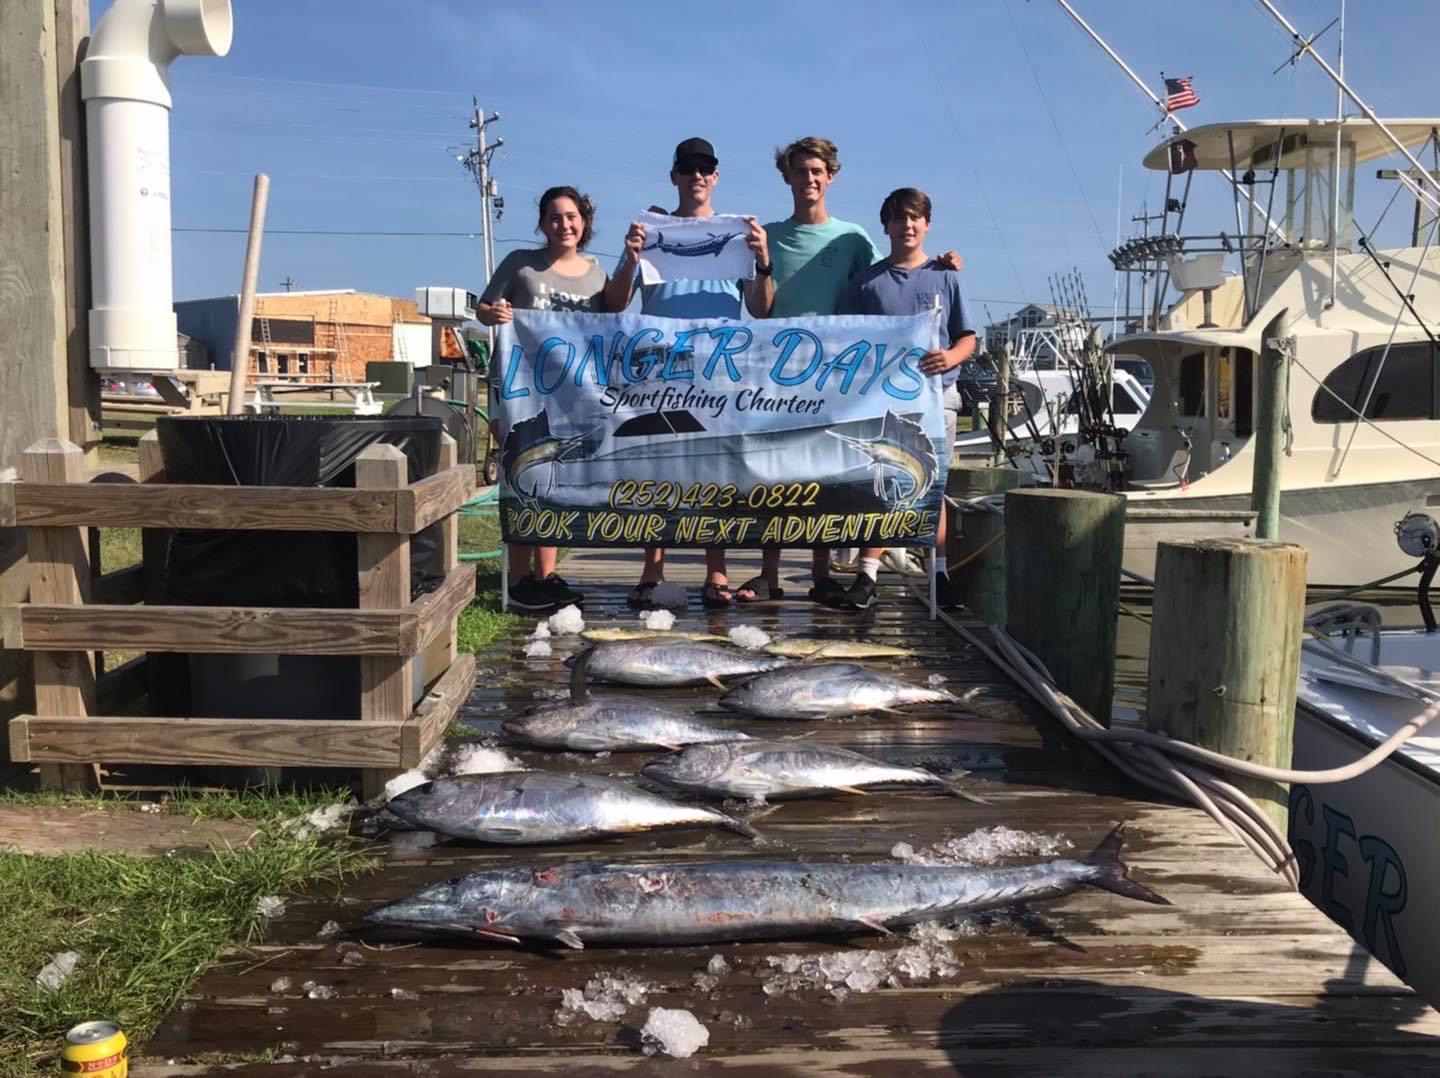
x=695, y=248
x=712, y=246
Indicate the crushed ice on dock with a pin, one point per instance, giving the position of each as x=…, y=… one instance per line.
x=537, y=649
x=453, y=758
x=984, y=846
x=270, y=906
x=926, y=957
x=566, y=621
x=662, y=621
x=541, y=631
x=749, y=637
x=605, y=998
x=468, y=758
x=676, y=1033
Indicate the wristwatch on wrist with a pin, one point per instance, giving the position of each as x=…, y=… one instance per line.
x=765, y=270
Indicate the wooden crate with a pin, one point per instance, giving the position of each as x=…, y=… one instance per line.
x=71, y=617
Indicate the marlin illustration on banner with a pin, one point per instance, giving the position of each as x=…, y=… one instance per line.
x=902, y=458
x=713, y=246
x=530, y=445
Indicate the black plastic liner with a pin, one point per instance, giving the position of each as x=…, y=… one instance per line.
x=277, y=568
x=261, y=568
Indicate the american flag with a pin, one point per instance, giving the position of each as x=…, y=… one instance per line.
x=1179, y=94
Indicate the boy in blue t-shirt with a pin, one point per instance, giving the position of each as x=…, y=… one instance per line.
x=909, y=282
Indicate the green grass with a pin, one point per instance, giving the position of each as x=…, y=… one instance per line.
x=482, y=622
x=144, y=929
x=263, y=804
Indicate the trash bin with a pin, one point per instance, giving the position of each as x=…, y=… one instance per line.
x=279, y=568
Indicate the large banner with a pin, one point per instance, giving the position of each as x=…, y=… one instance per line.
x=625, y=429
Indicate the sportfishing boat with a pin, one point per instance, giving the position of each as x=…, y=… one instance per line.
x=1362, y=407
x=1364, y=846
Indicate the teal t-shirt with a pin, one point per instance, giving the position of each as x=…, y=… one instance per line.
x=815, y=263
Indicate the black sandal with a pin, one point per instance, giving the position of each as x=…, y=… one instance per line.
x=716, y=596
x=639, y=597
x=762, y=590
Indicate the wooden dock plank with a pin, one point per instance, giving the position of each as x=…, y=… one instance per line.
x=1238, y=976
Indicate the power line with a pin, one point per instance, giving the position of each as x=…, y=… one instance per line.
x=339, y=85
x=327, y=232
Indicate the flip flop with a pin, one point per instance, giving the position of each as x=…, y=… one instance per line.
x=639, y=597
x=714, y=596
x=763, y=592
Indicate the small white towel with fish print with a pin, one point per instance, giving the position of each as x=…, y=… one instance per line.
x=695, y=249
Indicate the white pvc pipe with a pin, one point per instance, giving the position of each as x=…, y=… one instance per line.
x=125, y=83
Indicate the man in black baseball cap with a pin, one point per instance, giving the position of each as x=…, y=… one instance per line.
x=694, y=171
x=694, y=152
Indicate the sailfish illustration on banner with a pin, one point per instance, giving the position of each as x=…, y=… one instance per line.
x=902, y=459
x=712, y=246
x=531, y=445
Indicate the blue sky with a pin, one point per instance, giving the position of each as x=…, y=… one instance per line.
x=1018, y=127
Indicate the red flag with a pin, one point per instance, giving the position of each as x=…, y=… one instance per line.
x=1182, y=156
x=1179, y=94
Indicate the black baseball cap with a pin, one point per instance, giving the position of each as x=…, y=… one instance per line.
x=695, y=147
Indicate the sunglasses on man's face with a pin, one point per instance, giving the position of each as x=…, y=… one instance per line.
x=685, y=168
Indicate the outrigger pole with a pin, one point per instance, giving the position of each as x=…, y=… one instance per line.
x=1179, y=124
x=1369, y=113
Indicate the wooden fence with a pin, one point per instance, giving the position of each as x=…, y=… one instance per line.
x=72, y=616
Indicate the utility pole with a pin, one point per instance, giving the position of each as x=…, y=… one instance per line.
x=287, y=283
x=477, y=163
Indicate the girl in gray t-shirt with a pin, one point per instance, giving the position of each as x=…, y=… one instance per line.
x=556, y=277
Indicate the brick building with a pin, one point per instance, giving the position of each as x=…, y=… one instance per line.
x=325, y=335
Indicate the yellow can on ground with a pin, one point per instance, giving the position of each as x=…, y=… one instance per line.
x=97, y=1050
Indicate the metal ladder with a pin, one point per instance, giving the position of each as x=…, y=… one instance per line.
x=337, y=327
x=401, y=352
x=269, y=350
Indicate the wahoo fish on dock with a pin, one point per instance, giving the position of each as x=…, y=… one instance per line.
x=759, y=770
x=520, y=808
x=588, y=902
x=827, y=691
x=665, y=662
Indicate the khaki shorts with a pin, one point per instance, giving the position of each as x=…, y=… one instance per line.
x=952, y=416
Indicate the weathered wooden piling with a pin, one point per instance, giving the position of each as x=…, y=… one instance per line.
x=975, y=552
x=1062, y=586
x=1272, y=389
x=1225, y=652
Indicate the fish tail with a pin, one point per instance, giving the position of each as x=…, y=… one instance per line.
x=1114, y=874
x=739, y=826
x=577, y=676
x=952, y=787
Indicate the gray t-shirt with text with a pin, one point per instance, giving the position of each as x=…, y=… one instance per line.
x=527, y=281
